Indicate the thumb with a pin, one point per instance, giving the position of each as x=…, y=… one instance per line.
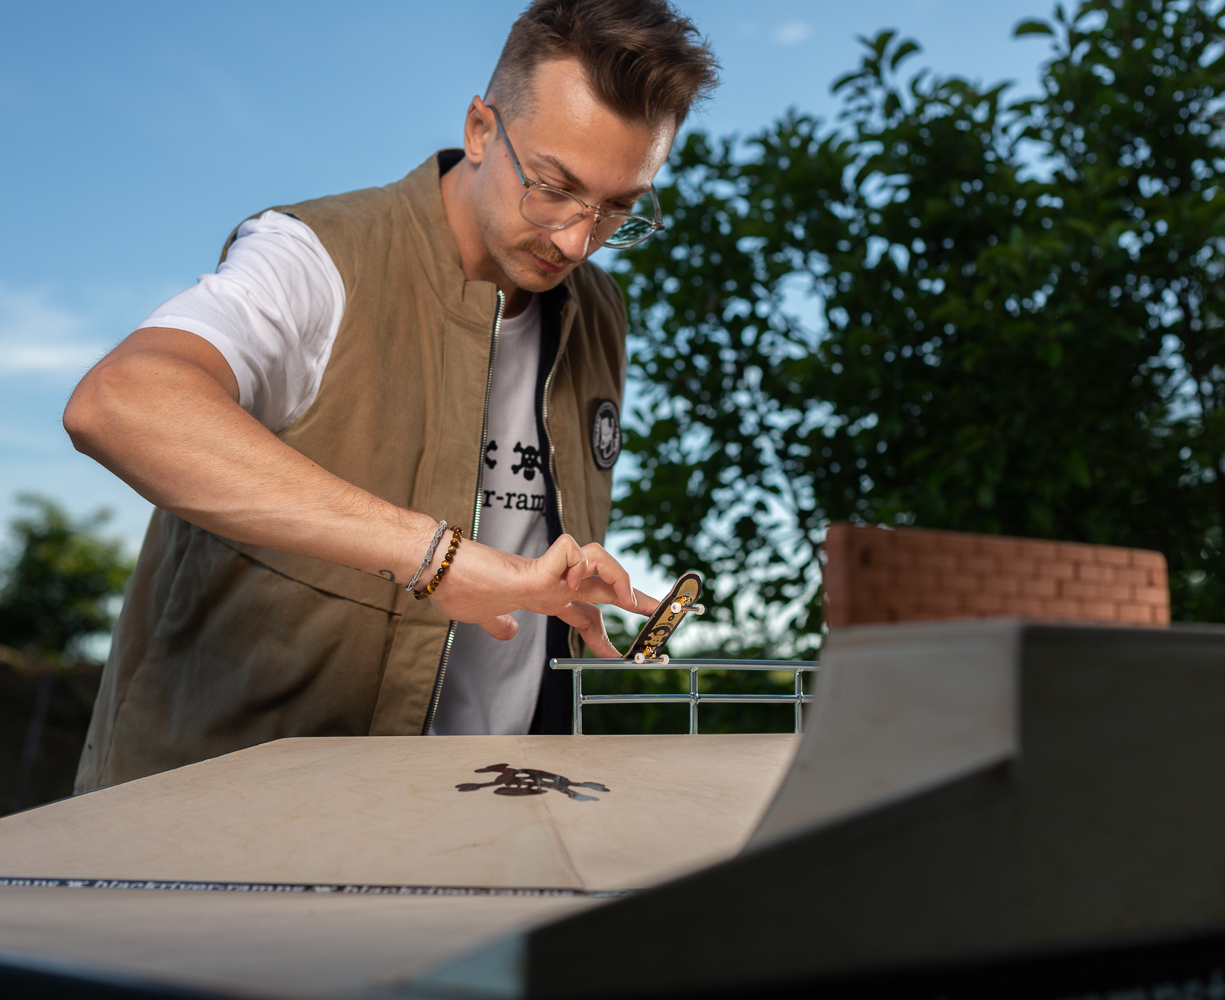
x=503, y=627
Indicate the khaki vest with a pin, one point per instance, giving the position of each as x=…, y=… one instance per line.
x=223, y=644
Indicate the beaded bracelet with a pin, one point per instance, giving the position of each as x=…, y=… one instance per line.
x=430, y=587
x=429, y=556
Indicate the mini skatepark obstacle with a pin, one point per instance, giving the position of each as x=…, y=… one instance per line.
x=986, y=808
x=326, y=867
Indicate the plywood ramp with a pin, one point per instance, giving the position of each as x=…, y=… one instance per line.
x=269, y=946
x=386, y=811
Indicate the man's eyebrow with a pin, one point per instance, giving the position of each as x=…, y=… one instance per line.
x=578, y=185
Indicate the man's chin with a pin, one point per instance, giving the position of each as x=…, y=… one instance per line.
x=533, y=277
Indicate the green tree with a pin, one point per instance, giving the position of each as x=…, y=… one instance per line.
x=60, y=588
x=1014, y=305
x=58, y=592
x=1132, y=122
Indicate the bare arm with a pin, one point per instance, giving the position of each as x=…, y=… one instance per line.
x=161, y=412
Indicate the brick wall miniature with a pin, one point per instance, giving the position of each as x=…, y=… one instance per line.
x=913, y=574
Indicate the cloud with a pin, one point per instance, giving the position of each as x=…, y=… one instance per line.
x=38, y=335
x=792, y=32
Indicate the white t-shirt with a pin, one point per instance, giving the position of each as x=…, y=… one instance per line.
x=273, y=309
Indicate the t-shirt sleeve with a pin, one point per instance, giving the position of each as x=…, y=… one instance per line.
x=272, y=309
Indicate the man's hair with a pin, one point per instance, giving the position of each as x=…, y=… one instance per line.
x=643, y=60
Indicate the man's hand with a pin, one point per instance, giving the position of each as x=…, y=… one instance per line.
x=484, y=585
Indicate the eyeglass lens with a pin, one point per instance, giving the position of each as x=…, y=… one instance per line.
x=551, y=208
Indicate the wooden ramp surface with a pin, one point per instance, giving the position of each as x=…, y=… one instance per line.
x=271, y=946
x=367, y=812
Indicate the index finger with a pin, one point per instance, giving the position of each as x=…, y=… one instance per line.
x=611, y=572
x=646, y=603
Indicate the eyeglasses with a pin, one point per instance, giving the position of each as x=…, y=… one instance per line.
x=552, y=208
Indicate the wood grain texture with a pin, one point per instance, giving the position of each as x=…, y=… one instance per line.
x=385, y=811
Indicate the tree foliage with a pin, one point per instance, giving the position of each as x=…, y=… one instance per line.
x=58, y=591
x=60, y=587
x=946, y=310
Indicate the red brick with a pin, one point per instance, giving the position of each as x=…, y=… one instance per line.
x=879, y=578
x=986, y=604
x=1074, y=552
x=1057, y=570
x=959, y=583
x=1077, y=590
x=926, y=537
x=1000, y=549
x=1092, y=572
x=944, y=600
x=1111, y=555
x=1022, y=568
x=1145, y=559
x=868, y=558
x=941, y=562
x=1152, y=595
x=1041, y=588
x=994, y=546
x=1101, y=611
x=968, y=542
x=1044, y=551
x=907, y=560
x=912, y=574
x=980, y=565
x=865, y=598
x=1135, y=614
x=923, y=581
x=838, y=543
x=1026, y=550
x=1005, y=586
x=962, y=541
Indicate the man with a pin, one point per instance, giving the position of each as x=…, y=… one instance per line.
x=364, y=367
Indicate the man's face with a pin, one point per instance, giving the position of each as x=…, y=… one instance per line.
x=570, y=141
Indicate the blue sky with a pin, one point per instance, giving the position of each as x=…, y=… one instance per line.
x=134, y=136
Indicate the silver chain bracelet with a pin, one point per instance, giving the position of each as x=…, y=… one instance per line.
x=429, y=556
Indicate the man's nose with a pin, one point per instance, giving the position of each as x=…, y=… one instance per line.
x=574, y=240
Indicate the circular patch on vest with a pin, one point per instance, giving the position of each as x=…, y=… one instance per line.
x=605, y=434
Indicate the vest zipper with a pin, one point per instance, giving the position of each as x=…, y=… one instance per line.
x=548, y=436
x=480, y=502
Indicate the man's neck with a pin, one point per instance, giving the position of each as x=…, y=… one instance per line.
x=474, y=259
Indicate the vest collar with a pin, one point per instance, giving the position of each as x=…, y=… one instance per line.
x=474, y=301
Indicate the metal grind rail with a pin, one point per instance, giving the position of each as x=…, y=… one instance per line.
x=695, y=697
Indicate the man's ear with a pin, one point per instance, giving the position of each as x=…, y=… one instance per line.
x=480, y=130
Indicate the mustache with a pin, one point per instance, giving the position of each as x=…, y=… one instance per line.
x=546, y=252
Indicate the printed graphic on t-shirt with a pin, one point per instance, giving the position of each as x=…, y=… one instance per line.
x=529, y=467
